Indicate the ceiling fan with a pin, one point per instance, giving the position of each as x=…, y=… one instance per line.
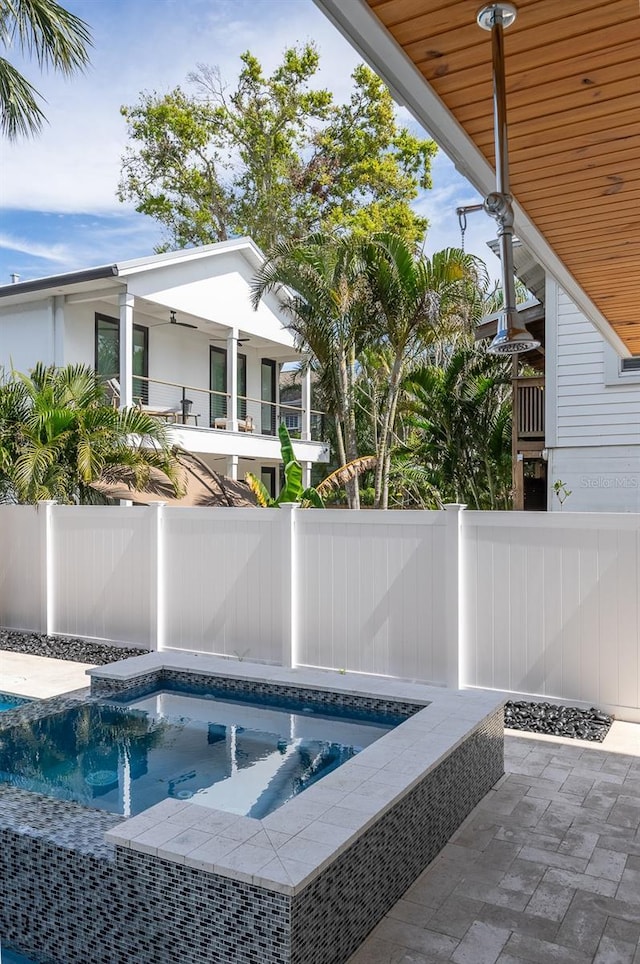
x=223, y=341
x=173, y=321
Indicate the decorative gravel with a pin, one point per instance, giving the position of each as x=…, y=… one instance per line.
x=569, y=721
x=64, y=647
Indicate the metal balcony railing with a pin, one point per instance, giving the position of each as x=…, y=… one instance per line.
x=202, y=408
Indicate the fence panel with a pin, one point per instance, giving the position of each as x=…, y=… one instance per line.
x=371, y=592
x=23, y=567
x=553, y=605
x=223, y=590
x=104, y=572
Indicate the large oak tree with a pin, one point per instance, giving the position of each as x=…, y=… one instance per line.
x=274, y=158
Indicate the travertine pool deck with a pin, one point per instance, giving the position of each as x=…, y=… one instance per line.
x=40, y=677
x=546, y=869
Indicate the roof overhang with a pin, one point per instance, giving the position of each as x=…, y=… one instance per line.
x=573, y=104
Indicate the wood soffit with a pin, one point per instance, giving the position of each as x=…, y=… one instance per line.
x=573, y=108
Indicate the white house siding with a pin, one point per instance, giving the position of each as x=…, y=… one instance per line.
x=27, y=335
x=79, y=331
x=593, y=427
x=215, y=289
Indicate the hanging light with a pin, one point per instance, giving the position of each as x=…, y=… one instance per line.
x=512, y=337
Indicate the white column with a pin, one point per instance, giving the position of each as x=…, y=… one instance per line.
x=157, y=559
x=288, y=576
x=232, y=380
x=126, y=349
x=58, y=331
x=454, y=594
x=306, y=405
x=306, y=474
x=47, y=617
x=232, y=467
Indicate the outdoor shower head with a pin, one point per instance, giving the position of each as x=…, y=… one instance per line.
x=511, y=338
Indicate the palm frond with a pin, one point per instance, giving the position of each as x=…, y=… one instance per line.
x=346, y=473
x=20, y=113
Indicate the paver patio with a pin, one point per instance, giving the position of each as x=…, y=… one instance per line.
x=546, y=868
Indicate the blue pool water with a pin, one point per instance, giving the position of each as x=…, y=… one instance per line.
x=10, y=957
x=232, y=755
x=9, y=702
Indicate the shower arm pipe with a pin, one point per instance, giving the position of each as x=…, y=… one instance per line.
x=499, y=205
x=511, y=337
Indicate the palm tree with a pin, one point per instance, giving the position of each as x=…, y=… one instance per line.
x=460, y=415
x=59, y=435
x=413, y=298
x=55, y=37
x=327, y=300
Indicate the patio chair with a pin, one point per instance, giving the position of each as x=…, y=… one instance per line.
x=244, y=424
x=169, y=414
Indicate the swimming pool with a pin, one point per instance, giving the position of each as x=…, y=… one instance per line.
x=242, y=757
x=10, y=702
x=306, y=883
x=10, y=957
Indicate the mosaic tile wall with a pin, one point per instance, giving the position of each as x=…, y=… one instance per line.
x=67, y=897
x=62, y=907
x=267, y=692
x=387, y=858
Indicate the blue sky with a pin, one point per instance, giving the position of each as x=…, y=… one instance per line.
x=58, y=204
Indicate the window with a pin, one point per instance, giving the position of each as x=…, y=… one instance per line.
x=620, y=371
x=217, y=383
x=242, y=386
x=268, y=479
x=292, y=421
x=268, y=396
x=107, y=354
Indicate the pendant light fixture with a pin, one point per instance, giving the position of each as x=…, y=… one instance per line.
x=512, y=337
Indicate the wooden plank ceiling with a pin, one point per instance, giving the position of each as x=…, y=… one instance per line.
x=573, y=108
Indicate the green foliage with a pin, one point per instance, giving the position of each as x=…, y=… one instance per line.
x=327, y=307
x=292, y=490
x=366, y=310
x=459, y=415
x=59, y=435
x=274, y=158
x=561, y=491
x=55, y=38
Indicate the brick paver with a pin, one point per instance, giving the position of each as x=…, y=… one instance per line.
x=546, y=869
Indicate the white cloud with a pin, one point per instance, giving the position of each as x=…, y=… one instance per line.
x=147, y=45
x=57, y=253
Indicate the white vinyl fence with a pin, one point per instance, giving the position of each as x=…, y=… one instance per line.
x=530, y=603
x=551, y=605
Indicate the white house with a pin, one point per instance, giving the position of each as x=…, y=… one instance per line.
x=576, y=421
x=175, y=333
x=592, y=434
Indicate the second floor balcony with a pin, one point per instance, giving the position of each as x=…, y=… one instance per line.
x=207, y=421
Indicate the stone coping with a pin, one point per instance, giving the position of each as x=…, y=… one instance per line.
x=290, y=847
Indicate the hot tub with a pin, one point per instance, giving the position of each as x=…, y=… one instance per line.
x=302, y=885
